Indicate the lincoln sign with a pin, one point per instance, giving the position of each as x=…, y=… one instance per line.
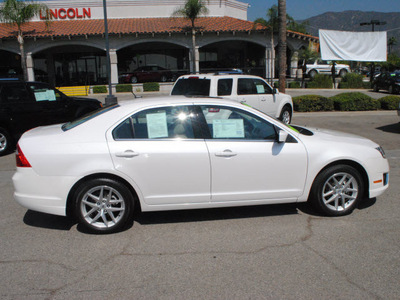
x=70, y=13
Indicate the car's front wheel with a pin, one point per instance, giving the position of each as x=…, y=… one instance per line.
x=337, y=190
x=312, y=73
x=342, y=73
x=103, y=205
x=286, y=115
x=163, y=78
x=375, y=88
x=134, y=79
x=5, y=141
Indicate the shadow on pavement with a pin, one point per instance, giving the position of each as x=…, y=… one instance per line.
x=212, y=214
x=42, y=220
x=392, y=128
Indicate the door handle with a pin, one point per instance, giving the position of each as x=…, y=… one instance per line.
x=127, y=154
x=225, y=153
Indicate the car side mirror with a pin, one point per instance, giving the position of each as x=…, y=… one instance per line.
x=282, y=136
x=274, y=91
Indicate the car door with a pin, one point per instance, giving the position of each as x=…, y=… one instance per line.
x=247, y=163
x=258, y=94
x=158, y=150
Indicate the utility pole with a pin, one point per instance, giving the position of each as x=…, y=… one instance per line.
x=373, y=23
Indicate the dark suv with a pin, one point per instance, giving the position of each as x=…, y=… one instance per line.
x=389, y=81
x=25, y=105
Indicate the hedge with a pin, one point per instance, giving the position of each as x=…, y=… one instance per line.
x=320, y=81
x=308, y=103
x=390, y=102
x=294, y=85
x=355, y=101
x=123, y=88
x=351, y=81
x=99, y=89
x=151, y=87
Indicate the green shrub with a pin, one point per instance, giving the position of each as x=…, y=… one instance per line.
x=367, y=85
x=276, y=84
x=354, y=102
x=295, y=85
x=351, y=81
x=390, y=102
x=151, y=87
x=99, y=89
x=320, y=81
x=312, y=103
x=123, y=88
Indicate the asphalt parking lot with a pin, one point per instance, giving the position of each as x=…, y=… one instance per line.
x=262, y=252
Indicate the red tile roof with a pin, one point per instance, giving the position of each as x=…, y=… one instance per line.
x=131, y=26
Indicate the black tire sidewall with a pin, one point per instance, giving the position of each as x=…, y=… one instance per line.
x=284, y=109
x=121, y=188
x=319, y=182
x=9, y=141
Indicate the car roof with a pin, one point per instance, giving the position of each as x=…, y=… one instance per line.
x=211, y=75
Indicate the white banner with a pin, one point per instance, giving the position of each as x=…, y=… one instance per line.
x=355, y=46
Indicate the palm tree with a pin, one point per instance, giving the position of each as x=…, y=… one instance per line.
x=282, y=44
x=192, y=10
x=19, y=12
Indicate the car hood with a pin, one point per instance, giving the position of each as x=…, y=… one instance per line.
x=340, y=137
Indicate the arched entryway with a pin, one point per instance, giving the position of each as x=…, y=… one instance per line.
x=230, y=54
x=10, y=65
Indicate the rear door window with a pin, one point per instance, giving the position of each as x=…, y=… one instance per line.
x=192, y=86
x=14, y=93
x=225, y=87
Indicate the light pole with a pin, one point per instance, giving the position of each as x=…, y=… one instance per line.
x=110, y=99
x=373, y=23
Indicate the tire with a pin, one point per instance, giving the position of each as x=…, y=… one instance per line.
x=5, y=141
x=103, y=205
x=391, y=89
x=163, y=78
x=286, y=115
x=134, y=79
x=312, y=73
x=342, y=73
x=337, y=190
x=375, y=88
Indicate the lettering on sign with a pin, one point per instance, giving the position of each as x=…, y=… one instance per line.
x=67, y=13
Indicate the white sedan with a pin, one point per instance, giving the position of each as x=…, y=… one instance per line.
x=186, y=153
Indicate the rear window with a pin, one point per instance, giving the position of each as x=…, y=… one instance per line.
x=192, y=86
x=87, y=117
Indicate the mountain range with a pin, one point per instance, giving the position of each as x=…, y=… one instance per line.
x=350, y=21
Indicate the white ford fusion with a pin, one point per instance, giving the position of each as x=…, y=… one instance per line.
x=184, y=153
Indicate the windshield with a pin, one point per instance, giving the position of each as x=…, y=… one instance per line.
x=87, y=117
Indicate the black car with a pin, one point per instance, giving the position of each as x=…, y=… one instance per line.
x=389, y=81
x=25, y=105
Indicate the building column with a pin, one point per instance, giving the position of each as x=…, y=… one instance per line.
x=294, y=61
x=197, y=59
x=29, y=66
x=269, y=63
x=114, y=67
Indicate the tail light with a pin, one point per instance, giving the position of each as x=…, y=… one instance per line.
x=21, y=160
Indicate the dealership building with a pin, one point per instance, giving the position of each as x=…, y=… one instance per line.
x=70, y=49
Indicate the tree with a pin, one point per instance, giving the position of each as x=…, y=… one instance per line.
x=19, y=12
x=392, y=41
x=282, y=44
x=192, y=10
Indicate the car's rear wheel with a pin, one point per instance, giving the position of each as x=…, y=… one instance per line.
x=286, y=115
x=375, y=88
x=103, y=205
x=163, y=78
x=5, y=141
x=134, y=79
x=391, y=90
x=337, y=190
x=342, y=73
x=312, y=73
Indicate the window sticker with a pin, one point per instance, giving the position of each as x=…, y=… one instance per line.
x=260, y=89
x=228, y=129
x=157, y=125
x=45, y=95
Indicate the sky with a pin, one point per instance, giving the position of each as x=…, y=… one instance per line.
x=304, y=9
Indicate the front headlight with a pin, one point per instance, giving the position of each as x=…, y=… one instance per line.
x=381, y=151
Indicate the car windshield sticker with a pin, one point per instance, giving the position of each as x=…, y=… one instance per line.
x=260, y=89
x=157, y=125
x=228, y=129
x=45, y=95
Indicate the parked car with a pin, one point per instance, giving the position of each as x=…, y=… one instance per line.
x=146, y=74
x=389, y=81
x=325, y=67
x=252, y=90
x=24, y=105
x=172, y=153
